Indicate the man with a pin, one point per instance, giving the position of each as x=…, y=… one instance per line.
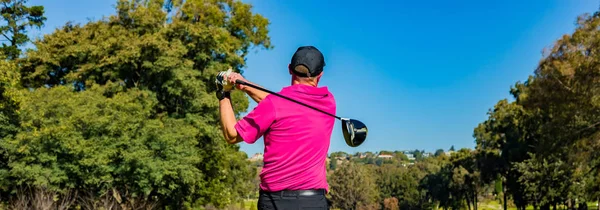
x=296, y=138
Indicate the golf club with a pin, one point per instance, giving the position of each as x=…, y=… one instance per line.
x=355, y=132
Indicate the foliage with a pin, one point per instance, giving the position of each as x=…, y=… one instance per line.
x=542, y=144
x=439, y=152
x=121, y=111
x=10, y=97
x=352, y=185
x=333, y=164
x=18, y=16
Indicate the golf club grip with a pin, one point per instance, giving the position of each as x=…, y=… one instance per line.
x=292, y=100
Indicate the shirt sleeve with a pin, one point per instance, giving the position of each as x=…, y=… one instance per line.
x=256, y=123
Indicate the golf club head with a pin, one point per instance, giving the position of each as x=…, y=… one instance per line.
x=355, y=132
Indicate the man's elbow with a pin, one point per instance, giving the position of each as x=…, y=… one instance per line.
x=230, y=140
x=234, y=140
x=232, y=137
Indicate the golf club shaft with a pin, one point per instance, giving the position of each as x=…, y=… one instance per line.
x=277, y=94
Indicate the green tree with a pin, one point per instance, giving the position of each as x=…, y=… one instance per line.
x=544, y=181
x=401, y=183
x=385, y=152
x=333, y=164
x=400, y=156
x=438, y=188
x=370, y=160
x=379, y=161
x=466, y=176
x=571, y=112
x=418, y=155
x=439, y=152
x=548, y=135
x=501, y=142
x=10, y=96
x=353, y=185
x=125, y=105
x=18, y=17
x=338, y=154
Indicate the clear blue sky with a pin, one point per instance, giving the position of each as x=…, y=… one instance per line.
x=419, y=74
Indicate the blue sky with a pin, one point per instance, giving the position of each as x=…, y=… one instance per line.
x=420, y=74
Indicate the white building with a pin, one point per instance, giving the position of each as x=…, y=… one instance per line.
x=256, y=157
x=385, y=156
x=410, y=156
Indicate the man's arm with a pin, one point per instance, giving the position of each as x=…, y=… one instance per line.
x=228, y=120
x=256, y=94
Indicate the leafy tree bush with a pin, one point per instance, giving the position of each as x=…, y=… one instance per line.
x=121, y=111
x=353, y=186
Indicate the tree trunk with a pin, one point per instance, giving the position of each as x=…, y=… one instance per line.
x=468, y=200
x=545, y=207
x=475, y=202
x=504, y=194
x=583, y=206
x=468, y=203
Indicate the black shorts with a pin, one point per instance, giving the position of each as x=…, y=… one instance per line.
x=292, y=200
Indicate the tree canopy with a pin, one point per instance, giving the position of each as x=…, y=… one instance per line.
x=122, y=110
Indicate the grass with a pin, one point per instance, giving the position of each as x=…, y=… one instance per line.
x=494, y=205
x=490, y=205
x=248, y=204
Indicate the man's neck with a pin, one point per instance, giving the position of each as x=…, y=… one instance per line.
x=297, y=82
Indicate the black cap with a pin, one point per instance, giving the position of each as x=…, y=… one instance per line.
x=310, y=57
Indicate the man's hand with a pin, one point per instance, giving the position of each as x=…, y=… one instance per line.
x=223, y=84
x=233, y=76
x=255, y=94
x=226, y=82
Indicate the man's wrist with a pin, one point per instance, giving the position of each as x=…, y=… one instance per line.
x=223, y=95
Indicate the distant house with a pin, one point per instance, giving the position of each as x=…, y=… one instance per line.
x=410, y=156
x=256, y=157
x=385, y=156
x=341, y=158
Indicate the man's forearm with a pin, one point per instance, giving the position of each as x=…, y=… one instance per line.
x=228, y=121
x=256, y=94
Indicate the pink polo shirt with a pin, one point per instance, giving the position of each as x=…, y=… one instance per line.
x=296, y=137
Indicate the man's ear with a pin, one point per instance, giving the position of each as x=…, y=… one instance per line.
x=319, y=76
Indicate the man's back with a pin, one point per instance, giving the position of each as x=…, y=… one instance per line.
x=297, y=142
x=296, y=137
